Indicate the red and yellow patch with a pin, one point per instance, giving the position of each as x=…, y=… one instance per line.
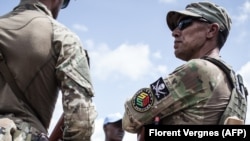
x=143, y=100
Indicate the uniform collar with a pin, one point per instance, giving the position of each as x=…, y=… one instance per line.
x=36, y=4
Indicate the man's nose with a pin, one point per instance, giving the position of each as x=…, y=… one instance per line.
x=176, y=32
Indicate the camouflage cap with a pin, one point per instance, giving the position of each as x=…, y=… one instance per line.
x=207, y=10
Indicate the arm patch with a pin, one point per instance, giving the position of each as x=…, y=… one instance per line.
x=159, y=89
x=143, y=100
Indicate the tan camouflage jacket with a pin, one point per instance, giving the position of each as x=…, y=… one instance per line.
x=45, y=56
x=195, y=93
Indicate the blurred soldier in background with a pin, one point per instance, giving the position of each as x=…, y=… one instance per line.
x=112, y=127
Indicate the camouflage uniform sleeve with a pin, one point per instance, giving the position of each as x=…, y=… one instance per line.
x=73, y=74
x=190, y=84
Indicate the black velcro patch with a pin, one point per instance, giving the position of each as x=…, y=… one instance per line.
x=159, y=89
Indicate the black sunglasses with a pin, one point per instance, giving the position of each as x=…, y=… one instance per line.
x=184, y=23
x=65, y=4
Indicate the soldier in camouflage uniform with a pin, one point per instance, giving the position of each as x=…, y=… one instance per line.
x=198, y=91
x=44, y=57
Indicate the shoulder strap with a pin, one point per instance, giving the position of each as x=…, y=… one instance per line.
x=236, y=81
x=225, y=68
x=237, y=104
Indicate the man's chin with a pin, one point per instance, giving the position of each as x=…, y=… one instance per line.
x=181, y=57
x=118, y=138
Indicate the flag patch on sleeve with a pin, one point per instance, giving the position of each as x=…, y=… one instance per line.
x=143, y=100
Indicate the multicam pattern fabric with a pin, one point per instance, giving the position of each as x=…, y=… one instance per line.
x=18, y=130
x=47, y=56
x=198, y=94
x=6, y=126
x=207, y=10
x=73, y=72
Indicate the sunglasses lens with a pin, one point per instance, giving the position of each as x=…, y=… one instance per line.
x=184, y=23
x=65, y=4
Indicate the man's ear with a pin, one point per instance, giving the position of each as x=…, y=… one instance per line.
x=213, y=30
